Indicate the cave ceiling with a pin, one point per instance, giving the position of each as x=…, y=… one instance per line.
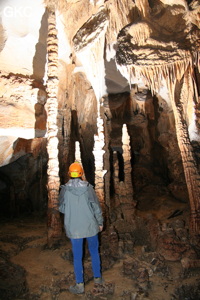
x=105, y=48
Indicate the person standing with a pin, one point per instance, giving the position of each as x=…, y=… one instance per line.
x=82, y=220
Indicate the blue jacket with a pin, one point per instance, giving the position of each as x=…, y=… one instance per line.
x=81, y=209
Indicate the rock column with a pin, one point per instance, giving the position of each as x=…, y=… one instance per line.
x=124, y=189
x=98, y=156
x=53, y=183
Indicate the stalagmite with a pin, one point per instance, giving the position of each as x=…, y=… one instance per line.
x=127, y=163
x=123, y=188
x=126, y=187
x=98, y=156
x=77, y=152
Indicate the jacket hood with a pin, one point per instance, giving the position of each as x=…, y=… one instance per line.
x=77, y=186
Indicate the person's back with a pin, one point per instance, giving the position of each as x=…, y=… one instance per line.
x=82, y=219
x=81, y=209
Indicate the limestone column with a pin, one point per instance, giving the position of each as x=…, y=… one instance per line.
x=53, y=180
x=98, y=152
x=179, y=96
x=123, y=200
x=126, y=187
x=127, y=163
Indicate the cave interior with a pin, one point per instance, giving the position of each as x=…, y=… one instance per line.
x=115, y=86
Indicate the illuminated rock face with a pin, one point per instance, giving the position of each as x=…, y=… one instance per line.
x=117, y=64
x=22, y=115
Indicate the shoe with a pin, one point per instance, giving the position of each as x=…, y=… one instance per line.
x=98, y=280
x=78, y=288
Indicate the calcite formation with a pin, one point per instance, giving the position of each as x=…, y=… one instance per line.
x=93, y=73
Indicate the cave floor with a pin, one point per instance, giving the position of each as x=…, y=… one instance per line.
x=23, y=243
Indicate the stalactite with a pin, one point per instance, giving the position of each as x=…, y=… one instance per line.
x=152, y=75
x=89, y=47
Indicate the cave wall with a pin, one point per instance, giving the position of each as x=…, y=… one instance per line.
x=95, y=42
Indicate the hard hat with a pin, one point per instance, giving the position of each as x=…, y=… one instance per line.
x=75, y=170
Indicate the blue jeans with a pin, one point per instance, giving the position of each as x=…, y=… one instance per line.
x=77, y=248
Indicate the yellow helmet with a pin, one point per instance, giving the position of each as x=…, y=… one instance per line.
x=75, y=170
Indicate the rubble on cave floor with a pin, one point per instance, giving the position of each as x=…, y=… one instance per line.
x=29, y=270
